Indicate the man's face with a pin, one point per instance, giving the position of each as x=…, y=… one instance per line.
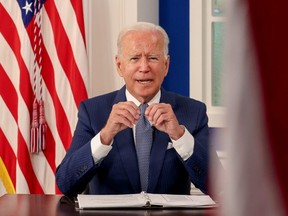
x=142, y=64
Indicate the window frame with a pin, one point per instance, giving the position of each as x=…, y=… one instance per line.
x=201, y=59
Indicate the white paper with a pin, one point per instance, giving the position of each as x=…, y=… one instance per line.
x=143, y=200
x=106, y=201
x=171, y=200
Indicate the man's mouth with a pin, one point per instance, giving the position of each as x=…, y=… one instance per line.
x=144, y=81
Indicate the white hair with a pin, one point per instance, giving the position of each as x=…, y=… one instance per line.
x=143, y=27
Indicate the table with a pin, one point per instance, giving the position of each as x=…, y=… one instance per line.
x=52, y=205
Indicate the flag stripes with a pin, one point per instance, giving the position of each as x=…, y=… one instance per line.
x=66, y=56
x=8, y=92
x=78, y=8
x=65, y=77
x=61, y=118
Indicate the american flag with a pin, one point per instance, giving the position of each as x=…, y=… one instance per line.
x=42, y=59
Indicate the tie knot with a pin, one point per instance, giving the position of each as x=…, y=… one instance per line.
x=143, y=108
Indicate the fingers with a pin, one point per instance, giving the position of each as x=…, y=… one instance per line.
x=158, y=113
x=126, y=113
x=123, y=115
x=163, y=118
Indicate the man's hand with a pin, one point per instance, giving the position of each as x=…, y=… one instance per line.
x=163, y=118
x=123, y=115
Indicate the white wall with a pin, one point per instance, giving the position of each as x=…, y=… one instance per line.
x=103, y=20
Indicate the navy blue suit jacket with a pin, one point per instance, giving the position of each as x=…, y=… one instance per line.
x=118, y=172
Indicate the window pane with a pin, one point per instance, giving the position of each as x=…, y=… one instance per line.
x=218, y=8
x=217, y=55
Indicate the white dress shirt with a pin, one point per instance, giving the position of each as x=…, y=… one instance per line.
x=184, y=145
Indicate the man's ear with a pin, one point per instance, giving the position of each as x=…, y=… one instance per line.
x=167, y=63
x=118, y=65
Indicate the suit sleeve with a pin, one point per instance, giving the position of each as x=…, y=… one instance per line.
x=76, y=169
x=198, y=164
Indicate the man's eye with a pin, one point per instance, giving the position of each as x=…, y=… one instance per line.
x=152, y=58
x=134, y=58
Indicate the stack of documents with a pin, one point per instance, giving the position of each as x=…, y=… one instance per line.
x=144, y=200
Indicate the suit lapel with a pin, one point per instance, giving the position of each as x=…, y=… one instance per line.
x=157, y=156
x=159, y=147
x=124, y=142
x=126, y=147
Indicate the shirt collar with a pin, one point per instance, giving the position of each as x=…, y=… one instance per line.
x=155, y=99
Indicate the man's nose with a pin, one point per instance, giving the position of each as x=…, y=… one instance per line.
x=144, y=65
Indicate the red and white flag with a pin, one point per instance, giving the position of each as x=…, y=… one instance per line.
x=43, y=77
x=256, y=182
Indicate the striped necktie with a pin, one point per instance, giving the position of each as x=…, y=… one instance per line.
x=143, y=146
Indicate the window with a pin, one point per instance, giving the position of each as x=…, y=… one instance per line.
x=206, y=55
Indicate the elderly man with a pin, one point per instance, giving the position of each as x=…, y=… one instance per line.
x=168, y=150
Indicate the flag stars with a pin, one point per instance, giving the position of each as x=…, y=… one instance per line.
x=27, y=7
